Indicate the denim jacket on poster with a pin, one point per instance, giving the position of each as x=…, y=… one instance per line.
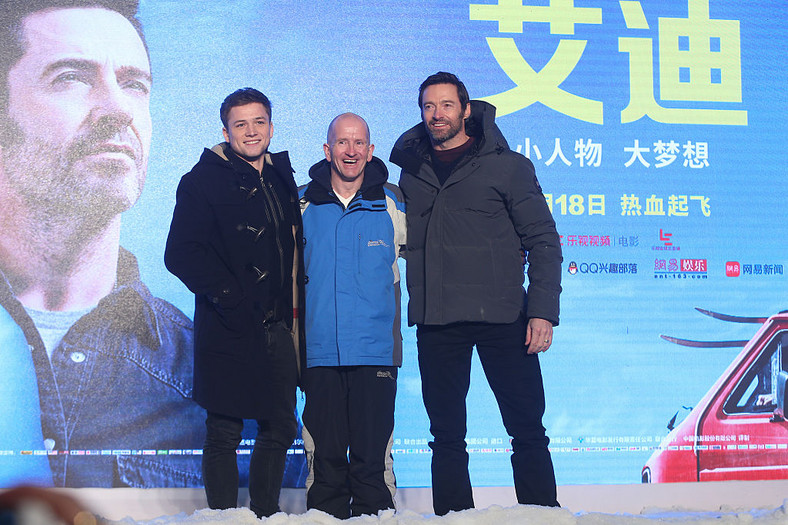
x=115, y=400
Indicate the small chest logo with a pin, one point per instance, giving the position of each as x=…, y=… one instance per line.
x=379, y=242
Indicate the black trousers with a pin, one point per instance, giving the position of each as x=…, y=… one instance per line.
x=516, y=381
x=266, y=467
x=351, y=409
x=269, y=455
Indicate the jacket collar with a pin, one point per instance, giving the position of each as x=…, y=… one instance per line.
x=319, y=190
x=279, y=161
x=412, y=149
x=120, y=311
x=223, y=150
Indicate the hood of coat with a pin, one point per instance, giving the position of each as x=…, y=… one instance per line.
x=220, y=156
x=375, y=176
x=414, y=145
x=221, y=150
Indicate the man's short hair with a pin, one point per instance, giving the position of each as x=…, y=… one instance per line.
x=442, y=77
x=242, y=97
x=12, y=17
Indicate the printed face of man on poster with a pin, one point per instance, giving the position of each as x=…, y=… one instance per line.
x=74, y=152
x=112, y=363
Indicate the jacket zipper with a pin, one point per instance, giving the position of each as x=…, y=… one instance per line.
x=274, y=204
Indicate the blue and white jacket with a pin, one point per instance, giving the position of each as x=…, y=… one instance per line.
x=352, y=279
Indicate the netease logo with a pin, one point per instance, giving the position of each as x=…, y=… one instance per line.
x=732, y=269
x=680, y=269
x=757, y=269
x=693, y=265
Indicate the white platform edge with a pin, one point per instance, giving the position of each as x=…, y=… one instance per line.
x=144, y=504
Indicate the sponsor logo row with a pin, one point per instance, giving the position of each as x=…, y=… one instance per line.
x=664, y=242
x=676, y=268
x=667, y=262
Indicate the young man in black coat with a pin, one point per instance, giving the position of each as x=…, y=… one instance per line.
x=234, y=242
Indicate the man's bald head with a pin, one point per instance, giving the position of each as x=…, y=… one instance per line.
x=331, y=135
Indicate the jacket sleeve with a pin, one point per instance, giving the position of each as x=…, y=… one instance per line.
x=538, y=236
x=395, y=205
x=191, y=253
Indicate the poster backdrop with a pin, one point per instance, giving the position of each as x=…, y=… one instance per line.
x=657, y=129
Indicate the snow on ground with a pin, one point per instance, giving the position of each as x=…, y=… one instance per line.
x=494, y=515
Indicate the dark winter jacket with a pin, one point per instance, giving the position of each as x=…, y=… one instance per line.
x=464, y=238
x=232, y=244
x=353, y=291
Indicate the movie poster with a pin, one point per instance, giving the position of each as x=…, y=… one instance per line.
x=657, y=133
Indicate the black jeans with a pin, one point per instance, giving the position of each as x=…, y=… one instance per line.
x=266, y=468
x=516, y=381
x=274, y=436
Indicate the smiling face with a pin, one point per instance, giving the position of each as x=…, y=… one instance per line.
x=443, y=116
x=249, y=131
x=78, y=105
x=348, y=148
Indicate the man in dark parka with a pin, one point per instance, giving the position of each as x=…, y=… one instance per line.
x=234, y=241
x=473, y=207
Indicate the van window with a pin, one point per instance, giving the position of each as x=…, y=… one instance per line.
x=757, y=391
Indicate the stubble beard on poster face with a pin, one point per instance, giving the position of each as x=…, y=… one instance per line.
x=61, y=183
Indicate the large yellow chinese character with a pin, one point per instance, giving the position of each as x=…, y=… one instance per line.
x=562, y=15
x=596, y=204
x=654, y=206
x=704, y=204
x=699, y=58
x=700, y=61
x=630, y=205
x=677, y=206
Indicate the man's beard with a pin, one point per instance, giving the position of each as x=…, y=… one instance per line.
x=61, y=181
x=445, y=134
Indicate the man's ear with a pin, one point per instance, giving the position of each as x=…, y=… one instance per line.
x=467, y=111
x=226, y=135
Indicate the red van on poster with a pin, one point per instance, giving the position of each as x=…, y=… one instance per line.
x=738, y=431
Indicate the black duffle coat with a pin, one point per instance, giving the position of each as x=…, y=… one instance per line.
x=227, y=245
